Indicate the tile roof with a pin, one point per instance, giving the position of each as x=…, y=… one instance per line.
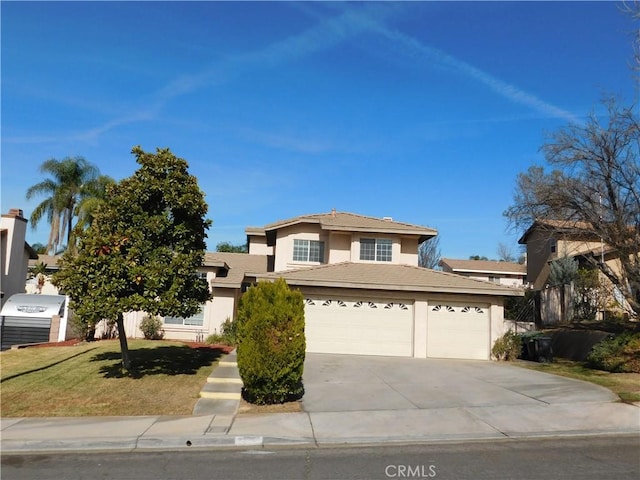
x=550, y=225
x=239, y=265
x=51, y=261
x=389, y=277
x=349, y=222
x=484, y=266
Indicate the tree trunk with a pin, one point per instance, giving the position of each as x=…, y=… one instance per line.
x=124, y=347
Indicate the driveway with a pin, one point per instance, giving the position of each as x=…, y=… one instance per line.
x=338, y=383
x=356, y=399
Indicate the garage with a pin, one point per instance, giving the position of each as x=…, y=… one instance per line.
x=458, y=330
x=363, y=326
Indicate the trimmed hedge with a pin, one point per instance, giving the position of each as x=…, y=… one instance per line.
x=271, y=343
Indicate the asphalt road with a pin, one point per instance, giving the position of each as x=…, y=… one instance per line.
x=562, y=458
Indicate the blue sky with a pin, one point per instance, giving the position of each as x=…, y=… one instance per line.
x=422, y=111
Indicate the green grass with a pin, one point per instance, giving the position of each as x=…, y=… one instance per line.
x=625, y=385
x=87, y=379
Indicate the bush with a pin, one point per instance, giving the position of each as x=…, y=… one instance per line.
x=151, y=328
x=227, y=336
x=271, y=343
x=82, y=328
x=507, y=347
x=618, y=354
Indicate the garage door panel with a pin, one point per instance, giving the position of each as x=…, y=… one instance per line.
x=365, y=327
x=458, y=331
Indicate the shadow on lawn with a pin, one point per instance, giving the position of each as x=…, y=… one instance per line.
x=45, y=367
x=168, y=360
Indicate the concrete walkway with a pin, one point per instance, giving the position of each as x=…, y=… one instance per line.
x=355, y=400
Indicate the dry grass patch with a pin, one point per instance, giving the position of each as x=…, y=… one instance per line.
x=246, y=408
x=625, y=385
x=87, y=379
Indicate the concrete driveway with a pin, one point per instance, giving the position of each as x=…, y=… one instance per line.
x=338, y=383
x=360, y=399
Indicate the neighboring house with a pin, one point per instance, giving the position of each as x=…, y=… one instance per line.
x=15, y=253
x=503, y=273
x=547, y=240
x=364, y=291
x=51, y=267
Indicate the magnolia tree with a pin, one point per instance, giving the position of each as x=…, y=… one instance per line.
x=142, y=249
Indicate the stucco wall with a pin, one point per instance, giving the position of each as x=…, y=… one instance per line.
x=408, y=251
x=284, y=245
x=258, y=246
x=15, y=258
x=339, y=247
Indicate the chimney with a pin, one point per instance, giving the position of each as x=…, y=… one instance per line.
x=15, y=212
x=333, y=213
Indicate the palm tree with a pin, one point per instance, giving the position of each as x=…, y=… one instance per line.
x=73, y=181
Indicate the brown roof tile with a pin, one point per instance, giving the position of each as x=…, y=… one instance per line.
x=484, y=266
x=389, y=277
x=239, y=265
x=350, y=222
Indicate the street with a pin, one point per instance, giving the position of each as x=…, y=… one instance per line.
x=560, y=458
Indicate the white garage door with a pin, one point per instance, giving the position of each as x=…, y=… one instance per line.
x=364, y=327
x=458, y=331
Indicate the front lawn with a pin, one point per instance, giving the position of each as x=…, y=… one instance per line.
x=87, y=379
x=625, y=385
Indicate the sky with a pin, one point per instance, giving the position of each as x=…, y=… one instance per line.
x=420, y=111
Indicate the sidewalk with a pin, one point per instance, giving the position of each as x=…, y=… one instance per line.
x=215, y=423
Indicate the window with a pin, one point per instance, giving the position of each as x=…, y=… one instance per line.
x=196, y=320
x=308, y=251
x=375, y=249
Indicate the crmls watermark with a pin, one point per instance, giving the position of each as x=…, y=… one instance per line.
x=410, y=471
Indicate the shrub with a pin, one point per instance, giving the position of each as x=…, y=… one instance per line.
x=82, y=328
x=619, y=354
x=507, y=347
x=227, y=335
x=271, y=343
x=151, y=327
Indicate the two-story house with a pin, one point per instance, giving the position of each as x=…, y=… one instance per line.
x=364, y=291
x=547, y=240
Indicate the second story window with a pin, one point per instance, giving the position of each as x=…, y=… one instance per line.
x=308, y=251
x=375, y=249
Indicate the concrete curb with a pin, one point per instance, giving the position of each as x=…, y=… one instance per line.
x=186, y=442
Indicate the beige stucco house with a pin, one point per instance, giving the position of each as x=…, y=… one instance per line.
x=364, y=291
x=509, y=274
x=547, y=240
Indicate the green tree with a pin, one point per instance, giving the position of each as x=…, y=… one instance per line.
x=143, y=249
x=72, y=180
x=230, y=248
x=271, y=343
